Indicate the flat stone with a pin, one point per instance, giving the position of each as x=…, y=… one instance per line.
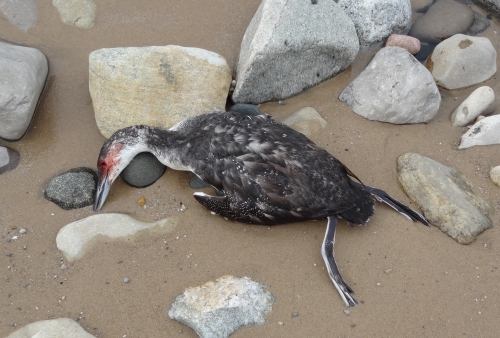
x=411, y=44
x=495, y=175
x=73, y=189
x=157, y=86
x=442, y=20
x=462, y=61
x=24, y=72
x=480, y=102
x=246, y=109
x=143, y=170
x=481, y=23
x=291, y=46
x=53, y=328
x=491, y=6
x=482, y=133
x=393, y=88
x=444, y=196
x=76, y=238
x=306, y=121
x=219, y=308
x=9, y=159
x=376, y=20
x=78, y=13
x=20, y=13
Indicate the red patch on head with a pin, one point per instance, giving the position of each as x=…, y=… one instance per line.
x=112, y=158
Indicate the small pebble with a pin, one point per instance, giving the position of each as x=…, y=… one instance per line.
x=22, y=231
x=281, y=323
x=126, y=279
x=295, y=314
x=347, y=312
x=378, y=284
x=388, y=271
x=141, y=202
x=63, y=267
x=9, y=255
x=180, y=331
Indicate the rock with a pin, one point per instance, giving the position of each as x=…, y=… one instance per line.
x=76, y=238
x=197, y=183
x=24, y=72
x=290, y=46
x=219, y=308
x=20, y=13
x=495, y=175
x=394, y=88
x=375, y=20
x=411, y=44
x=481, y=23
x=484, y=132
x=306, y=121
x=53, y=328
x=480, y=102
x=442, y=20
x=462, y=61
x=73, y=189
x=421, y=6
x=444, y=196
x=9, y=159
x=425, y=50
x=78, y=13
x=491, y=6
x=144, y=170
x=246, y=109
x=155, y=86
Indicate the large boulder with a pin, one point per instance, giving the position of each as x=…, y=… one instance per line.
x=23, y=74
x=156, y=86
x=393, y=88
x=376, y=20
x=462, y=61
x=292, y=45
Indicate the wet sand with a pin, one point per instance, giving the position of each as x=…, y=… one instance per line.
x=437, y=287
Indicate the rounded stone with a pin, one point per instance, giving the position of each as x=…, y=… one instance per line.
x=411, y=44
x=144, y=170
x=9, y=159
x=246, y=109
x=495, y=175
x=480, y=102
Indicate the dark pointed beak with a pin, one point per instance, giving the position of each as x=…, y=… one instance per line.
x=103, y=187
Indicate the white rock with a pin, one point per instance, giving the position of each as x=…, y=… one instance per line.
x=462, y=61
x=495, y=175
x=76, y=238
x=54, y=328
x=78, y=13
x=480, y=102
x=218, y=308
x=484, y=132
x=306, y=121
x=157, y=86
x=292, y=45
x=20, y=13
x=394, y=88
x=375, y=20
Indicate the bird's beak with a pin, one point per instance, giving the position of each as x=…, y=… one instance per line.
x=103, y=187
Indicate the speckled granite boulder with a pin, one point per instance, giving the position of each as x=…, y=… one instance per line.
x=157, y=86
x=78, y=13
x=23, y=74
x=53, y=328
x=73, y=189
x=292, y=45
x=375, y=20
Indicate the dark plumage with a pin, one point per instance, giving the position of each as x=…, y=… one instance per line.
x=264, y=173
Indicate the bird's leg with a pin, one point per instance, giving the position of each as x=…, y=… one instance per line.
x=329, y=258
x=217, y=204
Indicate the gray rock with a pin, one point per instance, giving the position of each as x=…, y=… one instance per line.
x=246, y=109
x=9, y=159
x=78, y=13
x=73, y=189
x=375, y=20
x=495, y=175
x=197, y=183
x=484, y=132
x=481, y=23
x=306, y=121
x=20, y=13
x=24, y=72
x=462, y=61
x=144, y=170
x=78, y=237
x=421, y=6
x=53, y=328
x=491, y=6
x=290, y=46
x=442, y=20
x=219, y=308
x=157, y=86
x=444, y=196
x=480, y=102
x=394, y=88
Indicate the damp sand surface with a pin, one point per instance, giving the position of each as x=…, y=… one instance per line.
x=437, y=287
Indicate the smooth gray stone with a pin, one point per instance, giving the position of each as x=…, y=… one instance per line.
x=291, y=46
x=20, y=13
x=394, y=88
x=491, y=6
x=23, y=74
x=73, y=189
x=9, y=159
x=445, y=197
x=376, y=20
x=481, y=23
x=421, y=6
x=246, y=109
x=144, y=170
